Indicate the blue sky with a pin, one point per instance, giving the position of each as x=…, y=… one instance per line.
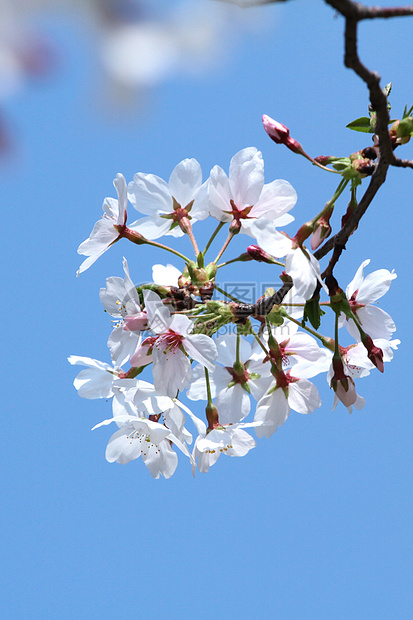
x=315, y=522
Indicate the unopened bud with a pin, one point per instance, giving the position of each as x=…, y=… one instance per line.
x=375, y=354
x=401, y=131
x=302, y=234
x=363, y=166
x=258, y=254
x=324, y=160
x=281, y=134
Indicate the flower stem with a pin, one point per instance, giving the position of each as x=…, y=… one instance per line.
x=326, y=341
x=168, y=249
x=224, y=247
x=214, y=234
x=220, y=290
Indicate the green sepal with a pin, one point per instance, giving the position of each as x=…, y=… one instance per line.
x=244, y=329
x=313, y=312
x=276, y=316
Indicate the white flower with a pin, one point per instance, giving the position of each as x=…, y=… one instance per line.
x=242, y=197
x=139, y=435
x=342, y=382
x=356, y=365
x=172, y=346
x=229, y=387
x=167, y=204
x=121, y=300
x=290, y=393
x=362, y=292
x=105, y=233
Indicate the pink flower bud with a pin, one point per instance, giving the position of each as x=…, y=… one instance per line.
x=136, y=323
x=142, y=355
x=258, y=254
x=281, y=134
x=375, y=354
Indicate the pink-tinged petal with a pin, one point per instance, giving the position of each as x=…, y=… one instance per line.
x=277, y=198
x=348, y=397
x=357, y=280
x=219, y=195
x=246, y=177
x=233, y=404
x=136, y=322
x=202, y=349
x=141, y=356
x=185, y=181
x=303, y=396
x=272, y=411
x=149, y=194
x=374, y=286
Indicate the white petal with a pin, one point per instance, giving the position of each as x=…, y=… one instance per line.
x=272, y=410
x=303, y=396
x=233, y=404
x=149, y=194
x=219, y=195
x=202, y=349
x=185, y=181
x=357, y=280
x=276, y=199
x=246, y=177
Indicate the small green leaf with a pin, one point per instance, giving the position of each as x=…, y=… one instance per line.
x=361, y=124
x=313, y=312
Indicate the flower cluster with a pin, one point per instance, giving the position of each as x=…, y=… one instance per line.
x=251, y=378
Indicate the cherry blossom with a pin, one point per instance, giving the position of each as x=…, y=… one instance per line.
x=121, y=300
x=289, y=393
x=362, y=292
x=173, y=343
x=242, y=198
x=230, y=384
x=139, y=436
x=169, y=206
x=105, y=232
